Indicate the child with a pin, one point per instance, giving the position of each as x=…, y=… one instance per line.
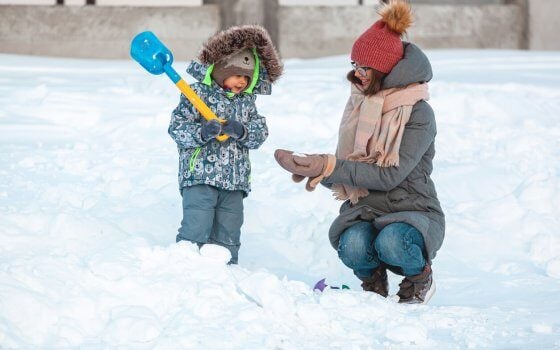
x=214, y=176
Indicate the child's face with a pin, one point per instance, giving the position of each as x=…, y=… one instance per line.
x=236, y=83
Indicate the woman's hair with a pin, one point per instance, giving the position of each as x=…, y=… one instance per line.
x=374, y=85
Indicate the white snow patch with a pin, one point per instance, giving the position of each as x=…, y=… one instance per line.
x=89, y=210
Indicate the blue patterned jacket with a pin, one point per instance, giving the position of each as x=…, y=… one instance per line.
x=224, y=165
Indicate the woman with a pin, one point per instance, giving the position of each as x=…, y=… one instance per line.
x=391, y=217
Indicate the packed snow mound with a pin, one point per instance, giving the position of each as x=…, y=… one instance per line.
x=179, y=297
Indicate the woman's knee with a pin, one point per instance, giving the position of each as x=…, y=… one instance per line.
x=354, y=244
x=394, y=240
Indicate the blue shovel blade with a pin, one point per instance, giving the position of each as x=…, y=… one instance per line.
x=147, y=50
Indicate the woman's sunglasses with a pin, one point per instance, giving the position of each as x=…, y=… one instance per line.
x=361, y=70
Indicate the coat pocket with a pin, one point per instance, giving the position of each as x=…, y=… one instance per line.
x=402, y=200
x=193, y=158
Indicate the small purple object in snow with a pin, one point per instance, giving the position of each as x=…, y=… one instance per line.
x=320, y=285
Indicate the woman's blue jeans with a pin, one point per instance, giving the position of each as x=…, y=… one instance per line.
x=399, y=246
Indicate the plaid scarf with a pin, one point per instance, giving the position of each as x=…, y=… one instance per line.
x=372, y=128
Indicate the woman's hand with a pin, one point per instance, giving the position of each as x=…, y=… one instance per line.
x=309, y=165
x=314, y=166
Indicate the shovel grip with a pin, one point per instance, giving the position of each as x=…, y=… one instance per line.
x=197, y=102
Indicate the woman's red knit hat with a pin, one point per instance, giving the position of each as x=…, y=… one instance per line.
x=380, y=46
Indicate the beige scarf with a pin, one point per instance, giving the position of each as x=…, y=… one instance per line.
x=372, y=128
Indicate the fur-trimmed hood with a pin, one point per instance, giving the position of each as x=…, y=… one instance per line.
x=234, y=39
x=201, y=73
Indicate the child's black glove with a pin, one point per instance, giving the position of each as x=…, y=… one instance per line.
x=234, y=129
x=210, y=129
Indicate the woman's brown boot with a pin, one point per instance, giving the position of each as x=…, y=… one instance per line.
x=417, y=289
x=377, y=283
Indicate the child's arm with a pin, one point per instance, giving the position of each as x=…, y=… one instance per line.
x=185, y=125
x=257, y=131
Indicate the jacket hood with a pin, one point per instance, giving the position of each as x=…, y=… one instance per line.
x=237, y=38
x=414, y=67
x=202, y=72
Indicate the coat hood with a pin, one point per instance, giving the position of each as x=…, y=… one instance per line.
x=202, y=72
x=414, y=67
x=234, y=39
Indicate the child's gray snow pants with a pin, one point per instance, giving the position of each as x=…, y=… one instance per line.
x=212, y=215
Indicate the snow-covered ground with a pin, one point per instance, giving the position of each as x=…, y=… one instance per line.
x=89, y=209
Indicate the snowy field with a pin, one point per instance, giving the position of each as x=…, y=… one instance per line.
x=89, y=208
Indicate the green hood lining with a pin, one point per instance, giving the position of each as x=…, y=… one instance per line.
x=256, y=72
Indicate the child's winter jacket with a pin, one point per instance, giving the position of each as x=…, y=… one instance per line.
x=224, y=165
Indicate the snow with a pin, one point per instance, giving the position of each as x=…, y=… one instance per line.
x=89, y=209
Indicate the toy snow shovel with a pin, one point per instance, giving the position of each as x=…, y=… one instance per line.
x=150, y=52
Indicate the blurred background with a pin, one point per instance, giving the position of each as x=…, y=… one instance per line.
x=300, y=28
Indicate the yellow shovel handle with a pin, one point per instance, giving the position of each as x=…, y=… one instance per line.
x=200, y=105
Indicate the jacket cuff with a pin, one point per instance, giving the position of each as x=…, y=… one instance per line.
x=245, y=134
x=198, y=137
x=331, y=164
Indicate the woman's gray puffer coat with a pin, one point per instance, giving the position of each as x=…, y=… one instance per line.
x=398, y=194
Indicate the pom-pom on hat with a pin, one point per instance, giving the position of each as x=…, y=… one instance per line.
x=380, y=46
